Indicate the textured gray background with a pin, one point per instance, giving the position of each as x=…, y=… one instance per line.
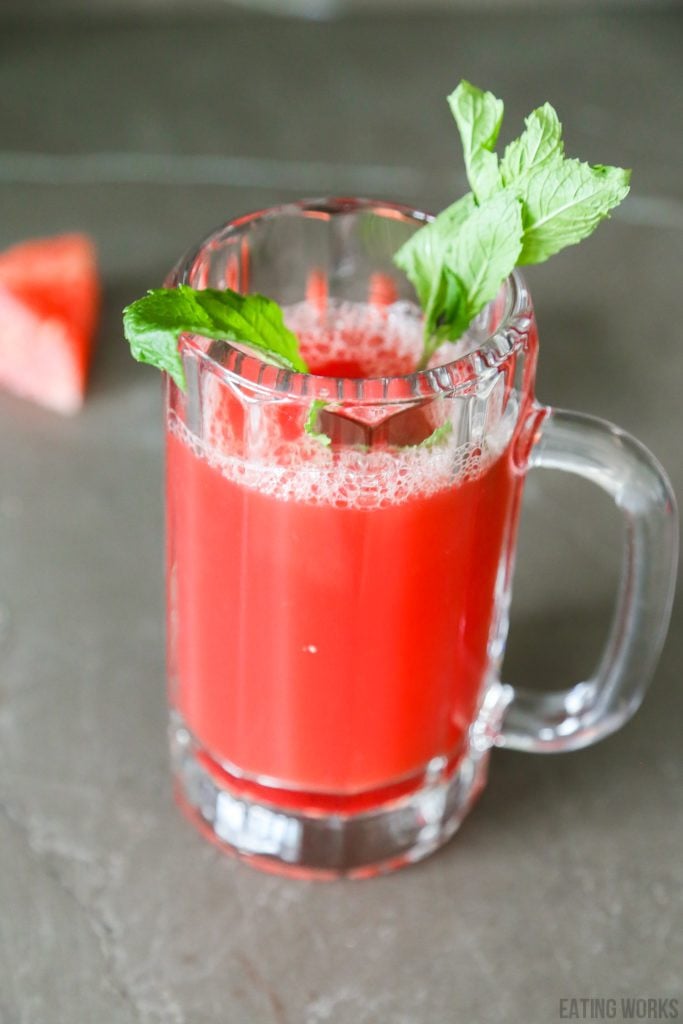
x=566, y=879
x=312, y=9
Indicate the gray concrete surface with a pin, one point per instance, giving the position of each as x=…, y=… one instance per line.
x=566, y=880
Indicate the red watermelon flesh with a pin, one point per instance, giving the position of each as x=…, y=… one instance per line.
x=49, y=303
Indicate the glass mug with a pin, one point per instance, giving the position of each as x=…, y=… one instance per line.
x=340, y=551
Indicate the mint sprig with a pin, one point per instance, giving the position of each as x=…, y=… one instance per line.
x=522, y=209
x=153, y=324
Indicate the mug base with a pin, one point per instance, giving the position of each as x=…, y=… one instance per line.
x=302, y=836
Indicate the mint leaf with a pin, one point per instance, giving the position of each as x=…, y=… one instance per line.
x=540, y=144
x=564, y=204
x=437, y=436
x=445, y=314
x=311, y=422
x=478, y=116
x=423, y=257
x=457, y=262
x=563, y=200
x=484, y=253
x=153, y=324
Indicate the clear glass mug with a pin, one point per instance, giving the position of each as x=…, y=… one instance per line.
x=340, y=551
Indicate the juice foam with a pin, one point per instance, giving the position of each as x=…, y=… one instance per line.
x=367, y=341
x=373, y=340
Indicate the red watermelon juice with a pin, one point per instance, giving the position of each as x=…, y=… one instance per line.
x=331, y=610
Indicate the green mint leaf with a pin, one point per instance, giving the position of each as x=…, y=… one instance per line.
x=437, y=436
x=311, y=423
x=153, y=324
x=563, y=204
x=446, y=313
x=457, y=263
x=540, y=144
x=423, y=257
x=563, y=200
x=478, y=116
x=485, y=252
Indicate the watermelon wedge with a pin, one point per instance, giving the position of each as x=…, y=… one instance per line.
x=49, y=304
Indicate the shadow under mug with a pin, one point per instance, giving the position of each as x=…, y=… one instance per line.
x=340, y=550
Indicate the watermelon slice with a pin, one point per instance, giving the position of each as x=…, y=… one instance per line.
x=49, y=303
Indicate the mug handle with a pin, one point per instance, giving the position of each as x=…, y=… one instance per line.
x=587, y=712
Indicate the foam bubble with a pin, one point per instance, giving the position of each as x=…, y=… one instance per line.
x=384, y=340
x=380, y=340
x=304, y=471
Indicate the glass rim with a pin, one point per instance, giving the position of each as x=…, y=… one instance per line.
x=457, y=374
